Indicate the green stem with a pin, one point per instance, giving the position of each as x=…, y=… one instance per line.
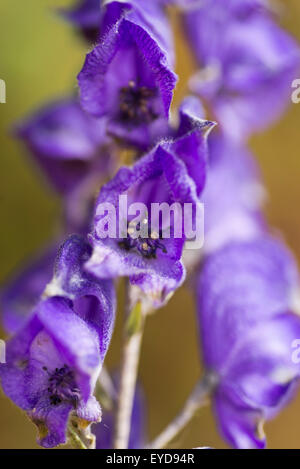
x=75, y=440
x=131, y=354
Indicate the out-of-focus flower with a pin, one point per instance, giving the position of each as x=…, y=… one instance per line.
x=233, y=195
x=86, y=16
x=104, y=431
x=247, y=64
x=152, y=259
x=240, y=6
x=129, y=76
x=74, y=151
x=247, y=326
x=53, y=362
x=22, y=293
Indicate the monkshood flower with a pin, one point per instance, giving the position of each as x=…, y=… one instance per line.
x=233, y=195
x=73, y=150
x=22, y=293
x=53, y=362
x=247, y=64
x=128, y=77
x=86, y=16
x=104, y=431
x=247, y=324
x=127, y=239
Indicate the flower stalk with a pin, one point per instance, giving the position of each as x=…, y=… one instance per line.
x=134, y=328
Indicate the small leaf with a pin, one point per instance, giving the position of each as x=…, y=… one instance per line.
x=134, y=322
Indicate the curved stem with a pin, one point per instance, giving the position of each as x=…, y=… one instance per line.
x=197, y=399
x=75, y=440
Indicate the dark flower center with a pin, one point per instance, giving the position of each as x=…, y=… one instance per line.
x=146, y=244
x=62, y=386
x=135, y=103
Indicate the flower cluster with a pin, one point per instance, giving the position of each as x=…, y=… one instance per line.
x=61, y=321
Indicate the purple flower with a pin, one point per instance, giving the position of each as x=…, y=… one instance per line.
x=73, y=150
x=151, y=260
x=239, y=6
x=245, y=303
x=233, y=194
x=128, y=77
x=93, y=300
x=104, y=431
x=247, y=64
x=86, y=16
x=183, y=4
x=53, y=362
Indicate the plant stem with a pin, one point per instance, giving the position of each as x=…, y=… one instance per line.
x=129, y=369
x=197, y=399
x=75, y=440
x=107, y=383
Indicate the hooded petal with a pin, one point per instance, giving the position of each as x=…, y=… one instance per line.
x=248, y=64
x=261, y=364
x=85, y=15
x=244, y=284
x=67, y=143
x=241, y=426
x=128, y=76
x=93, y=299
x=63, y=131
x=247, y=329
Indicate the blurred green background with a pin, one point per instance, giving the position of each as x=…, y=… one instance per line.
x=40, y=58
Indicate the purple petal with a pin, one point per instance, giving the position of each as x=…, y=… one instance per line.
x=233, y=195
x=161, y=176
x=67, y=143
x=93, y=299
x=86, y=15
x=244, y=284
x=129, y=67
x=248, y=64
x=89, y=411
x=242, y=427
x=244, y=298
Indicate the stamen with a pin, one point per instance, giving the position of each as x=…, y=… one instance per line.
x=146, y=244
x=62, y=386
x=135, y=103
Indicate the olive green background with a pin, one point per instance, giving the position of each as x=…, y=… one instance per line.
x=39, y=60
